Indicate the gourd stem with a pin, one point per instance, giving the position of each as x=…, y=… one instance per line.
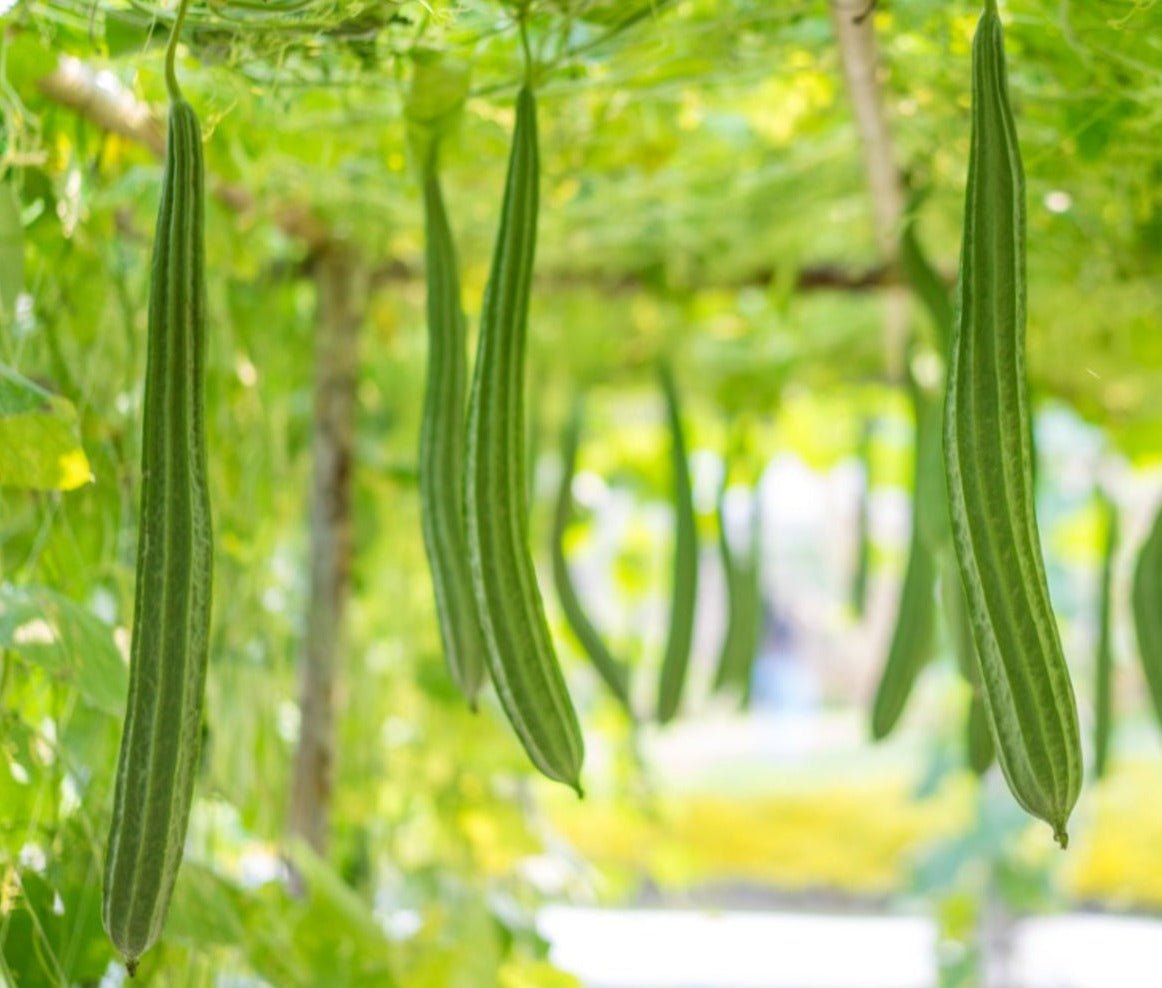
x=430, y=166
x=171, y=76
x=990, y=7
x=528, y=52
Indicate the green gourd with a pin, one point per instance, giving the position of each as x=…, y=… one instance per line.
x=613, y=673
x=914, y=633
x=1104, y=665
x=1027, y=689
x=518, y=646
x=160, y=741
x=442, y=438
x=928, y=286
x=925, y=282
x=726, y=671
x=859, y=577
x=740, y=642
x=1147, y=606
x=680, y=638
x=750, y=579
x=980, y=748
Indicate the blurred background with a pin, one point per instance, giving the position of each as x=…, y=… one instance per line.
x=724, y=186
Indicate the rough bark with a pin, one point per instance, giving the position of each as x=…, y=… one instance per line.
x=820, y=277
x=340, y=311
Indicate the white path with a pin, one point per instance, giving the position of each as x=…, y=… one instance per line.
x=632, y=948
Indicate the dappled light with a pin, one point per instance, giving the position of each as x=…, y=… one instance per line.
x=557, y=493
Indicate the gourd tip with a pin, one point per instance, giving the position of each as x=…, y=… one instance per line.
x=131, y=966
x=1061, y=837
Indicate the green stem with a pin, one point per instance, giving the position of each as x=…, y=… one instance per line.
x=524, y=43
x=171, y=76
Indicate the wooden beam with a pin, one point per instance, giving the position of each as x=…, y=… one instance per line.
x=819, y=278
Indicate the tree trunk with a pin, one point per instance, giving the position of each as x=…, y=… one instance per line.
x=855, y=36
x=340, y=311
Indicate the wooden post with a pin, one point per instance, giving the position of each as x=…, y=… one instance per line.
x=855, y=35
x=341, y=304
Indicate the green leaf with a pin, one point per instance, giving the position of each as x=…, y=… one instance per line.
x=19, y=395
x=27, y=60
x=21, y=786
x=40, y=447
x=339, y=925
x=622, y=13
x=53, y=933
x=66, y=641
x=205, y=909
x=124, y=36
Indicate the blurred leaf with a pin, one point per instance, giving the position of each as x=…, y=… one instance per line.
x=27, y=59
x=621, y=13
x=20, y=785
x=205, y=909
x=534, y=974
x=42, y=452
x=124, y=36
x=338, y=927
x=66, y=641
x=39, y=443
x=54, y=935
x=18, y=395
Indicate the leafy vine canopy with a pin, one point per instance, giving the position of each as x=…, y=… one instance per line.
x=701, y=162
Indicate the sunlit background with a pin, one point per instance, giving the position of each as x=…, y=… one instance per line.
x=705, y=198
